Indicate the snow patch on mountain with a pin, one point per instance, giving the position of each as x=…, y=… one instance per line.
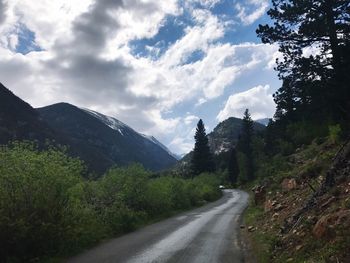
x=109, y=121
x=122, y=128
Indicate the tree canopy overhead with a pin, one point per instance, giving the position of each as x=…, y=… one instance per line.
x=313, y=37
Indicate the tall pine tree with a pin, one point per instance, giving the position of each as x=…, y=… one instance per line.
x=202, y=159
x=233, y=168
x=245, y=145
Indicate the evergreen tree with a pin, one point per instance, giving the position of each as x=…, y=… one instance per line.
x=233, y=169
x=314, y=84
x=245, y=144
x=202, y=159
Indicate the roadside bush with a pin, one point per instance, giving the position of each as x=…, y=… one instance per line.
x=47, y=209
x=180, y=194
x=38, y=211
x=207, y=186
x=158, y=197
x=130, y=184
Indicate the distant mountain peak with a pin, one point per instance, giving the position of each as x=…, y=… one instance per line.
x=119, y=126
x=264, y=121
x=226, y=134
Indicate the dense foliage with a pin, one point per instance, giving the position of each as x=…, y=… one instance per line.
x=314, y=38
x=47, y=208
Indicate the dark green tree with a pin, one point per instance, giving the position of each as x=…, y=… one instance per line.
x=233, y=169
x=245, y=144
x=202, y=158
x=315, y=84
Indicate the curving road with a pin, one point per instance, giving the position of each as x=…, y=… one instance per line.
x=208, y=234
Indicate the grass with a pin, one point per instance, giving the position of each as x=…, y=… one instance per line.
x=261, y=241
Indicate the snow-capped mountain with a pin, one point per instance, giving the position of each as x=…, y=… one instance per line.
x=109, y=121
x=103, y=141
x=120, y=127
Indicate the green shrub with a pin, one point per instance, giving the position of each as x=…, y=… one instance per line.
x=180, y=196
x=334, y=133
x=207, y=186
x=158, y=196
x=38, y=205
x=47, y=209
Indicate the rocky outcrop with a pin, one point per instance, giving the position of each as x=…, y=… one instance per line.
x=289, y=184
x=259, y=194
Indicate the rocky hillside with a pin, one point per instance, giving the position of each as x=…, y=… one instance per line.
x=226, y=134
x=302, y=213
x=103, y=141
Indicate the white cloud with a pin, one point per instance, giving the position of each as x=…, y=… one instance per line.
x=258, y=100
x=251, y=11
x=181, y=145
x=200, y=102
x=190, y=119
x=86, y=60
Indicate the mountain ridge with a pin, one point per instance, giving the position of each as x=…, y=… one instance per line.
x=99, y=140
x=20, y=121
x=115, y=142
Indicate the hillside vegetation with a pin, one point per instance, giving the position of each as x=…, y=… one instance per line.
x=297, y=218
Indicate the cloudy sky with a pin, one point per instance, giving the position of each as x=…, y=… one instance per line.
x=158, y=66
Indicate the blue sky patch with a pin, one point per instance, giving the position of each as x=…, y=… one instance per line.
x=172, y=30
x=26, y=41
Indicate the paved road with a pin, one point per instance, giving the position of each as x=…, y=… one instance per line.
x=208, y=234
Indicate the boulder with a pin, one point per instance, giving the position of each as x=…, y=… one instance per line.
x=275, y=215
x=259, y=194
x=289, y=184
x=279, y=207
x=251, y=228
x=324, y=227
x=268, y=205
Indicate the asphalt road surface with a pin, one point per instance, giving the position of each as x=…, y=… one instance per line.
x=208, y=234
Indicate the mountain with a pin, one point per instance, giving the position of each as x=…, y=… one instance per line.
x=221, y=139
x=99, y=140
x=104, y=141
x=264, y=121
x=19, y=121
x=226, y=134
